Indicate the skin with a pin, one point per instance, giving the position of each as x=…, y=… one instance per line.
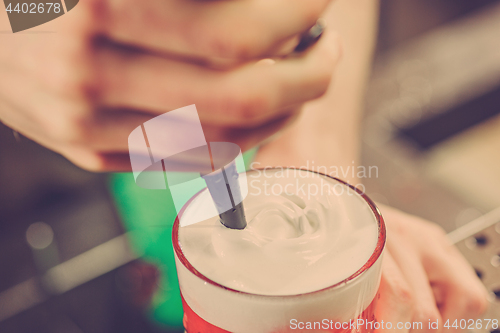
x=93, y=75
x=424, y=277
x=113, y=64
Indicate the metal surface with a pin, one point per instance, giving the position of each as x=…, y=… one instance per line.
x=479, y=242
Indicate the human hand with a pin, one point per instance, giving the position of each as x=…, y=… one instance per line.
x=424, y=277
x=109, y=65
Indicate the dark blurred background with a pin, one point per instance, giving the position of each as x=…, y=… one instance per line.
x=431, y=128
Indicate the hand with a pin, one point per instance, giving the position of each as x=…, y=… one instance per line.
x=424, y=277
x=96, y=73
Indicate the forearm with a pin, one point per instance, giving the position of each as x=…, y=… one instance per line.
x=327, y=133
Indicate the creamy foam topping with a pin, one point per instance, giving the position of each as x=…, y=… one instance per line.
x=303, y=234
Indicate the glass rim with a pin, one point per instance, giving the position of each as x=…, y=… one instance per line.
x=377, y=252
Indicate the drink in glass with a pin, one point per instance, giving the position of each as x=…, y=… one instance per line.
x=308, y=260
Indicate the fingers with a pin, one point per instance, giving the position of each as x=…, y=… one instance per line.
x=247, y=138
x=445, y=286
x=396, y=296
x=108, y=149
x=410, y=263
x=102, y=144
x=464, y=296
x=249, y=95
x=117, y=157
x=200, y=29
x=97, y=162
x=69, y=111
x=97, y=140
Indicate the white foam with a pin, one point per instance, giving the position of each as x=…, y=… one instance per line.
x=305, y=232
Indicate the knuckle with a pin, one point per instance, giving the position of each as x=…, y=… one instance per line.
x=426, y=313
x=75, y=88
x=247, y=108
x=404, y=295
x=71, y=129
x=217, y=46
x=224, y=44
x=474, y=300
x=90, y=14
x=252, y=108
x=90, y=5
x=476, y=304
x=67, y=79
x=72, y=74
